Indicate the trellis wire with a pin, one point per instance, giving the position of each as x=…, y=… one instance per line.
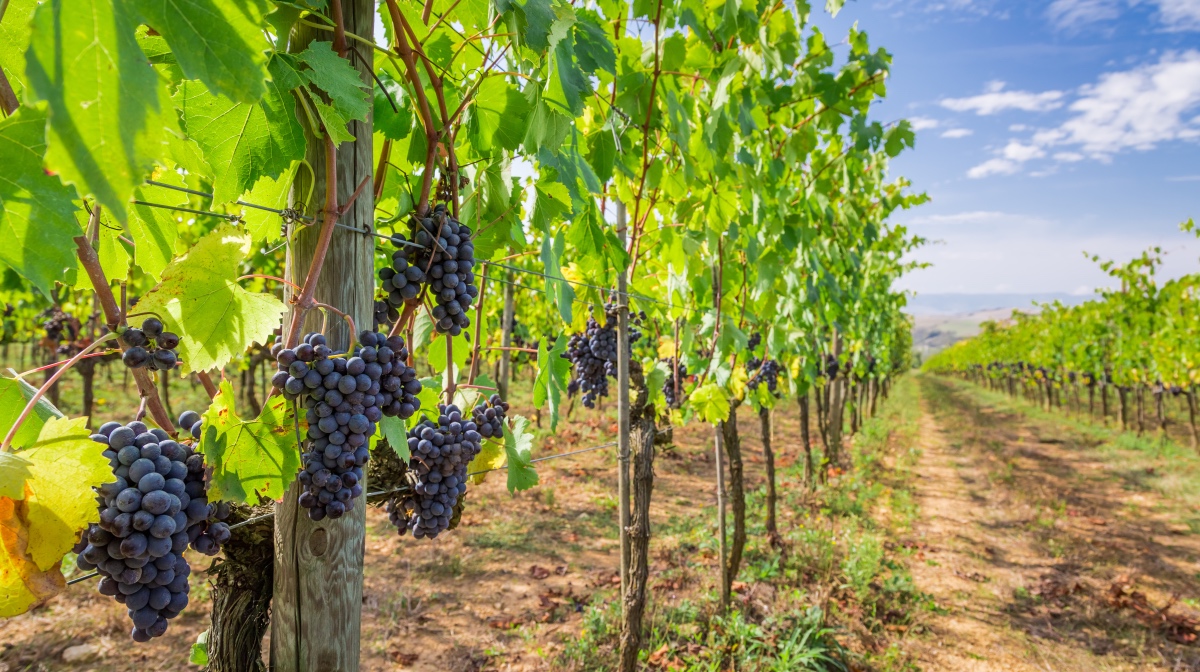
x=610, y=444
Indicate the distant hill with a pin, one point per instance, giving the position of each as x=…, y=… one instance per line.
x=963, y=304
x=940, y=320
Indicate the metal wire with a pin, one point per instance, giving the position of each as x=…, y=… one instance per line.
x=581, y=284
x=81, y=579
x=163, y=206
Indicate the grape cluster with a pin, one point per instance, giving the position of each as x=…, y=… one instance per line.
x=669, y=386
x=153, y=509
x=343, y=399
x=440, y=452
x=755, y=339
x=763, y=372
x=150, y=346
x=489, y=417
x=593, y=354
x=443, y=261
x=385, y=314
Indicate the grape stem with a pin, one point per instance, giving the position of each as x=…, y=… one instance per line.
x=207, y=382
x=114, y=316
x=305, y=301
x=51, y=366
x=467, y=386
x=478, y=326
x=349, y=320
x=37, y=396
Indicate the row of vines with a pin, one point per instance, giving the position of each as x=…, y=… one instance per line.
x=1128, y=355
x=354, y=242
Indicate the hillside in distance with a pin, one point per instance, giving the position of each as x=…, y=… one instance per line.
x=940, y=320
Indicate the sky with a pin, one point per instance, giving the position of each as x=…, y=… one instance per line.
x=1044, y=130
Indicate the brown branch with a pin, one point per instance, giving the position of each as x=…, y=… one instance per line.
x=478, y=327
x=12, y=432
x=113, y=317
x=431, y=134
x=635, y=243
x=349, y=320
x=207, y=382
x=427, y=11
x=304, y=302
x=339, y=29
x=385, y=154
x=343, y=209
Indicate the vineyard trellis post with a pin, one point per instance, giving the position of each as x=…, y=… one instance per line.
x=317, y=597
x=623, y=354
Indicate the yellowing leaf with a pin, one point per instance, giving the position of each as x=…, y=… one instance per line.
x=200, y=300
x=64, y=466
x=710, y=402
x=22, y=584
x=249, y=457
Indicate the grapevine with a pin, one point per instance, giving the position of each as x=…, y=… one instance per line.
x=441, y=449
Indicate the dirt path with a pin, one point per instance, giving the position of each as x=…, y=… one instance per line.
x=1042, y=553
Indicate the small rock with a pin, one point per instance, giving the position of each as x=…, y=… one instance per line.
x=80, y=653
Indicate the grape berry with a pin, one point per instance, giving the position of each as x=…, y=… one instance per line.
x=444, y=261
x=343, y=399
x=153, y=509
x=489, y=417
x=761, y=372
x=441, y=451
x=593, y=355
x=669, y=386
x=150, y=347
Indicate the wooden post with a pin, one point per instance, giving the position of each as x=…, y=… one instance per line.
x=720, y=460
x=642, y=436
x=317, y=596
x=623, y=408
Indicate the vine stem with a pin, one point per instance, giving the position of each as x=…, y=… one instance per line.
x=114, y=316
x=478, y=327
x=636, y=239
x=305, y=301
x=51, y=366
x=8, y=99
x=510, y=348
x=12, y=432
x=450, y=373
x=207, y=382
x=349, y=320
x=410, y=66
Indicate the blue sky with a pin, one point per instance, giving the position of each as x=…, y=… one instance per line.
x=1044, y=130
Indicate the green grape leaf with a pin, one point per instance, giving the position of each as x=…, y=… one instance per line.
x=710, y=402
x=550, y=385
x=602, y=153
x=437, y=353
x=568, y=85
x=539, y=17
x=199, y=651
x=36, y=211
x=338, y=78
x=551, y=200
x=332, y=120
x=219, y=43
x=422, y=331
x=107, y=106
x=155, y=230
x=430, y=396
x=14, y=39
x=593, y=46
x=244, y=142
x=657, y=373
x=518, y=449
x=394, y=122
x=200, y=300
x=497, y=116
x=250, y=457
x=271, y=192
x=14, y=396
x=396, y=433
x=14, y=472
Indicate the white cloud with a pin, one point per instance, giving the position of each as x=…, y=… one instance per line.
x=1184, y=178
x=1017, y=128
x=1132, y=110
x=995, y=99
x=978, y=217
x=1076, y=13
x=957, y=133
x=922, y=123
x=1179, y=15
x=1173, y=15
